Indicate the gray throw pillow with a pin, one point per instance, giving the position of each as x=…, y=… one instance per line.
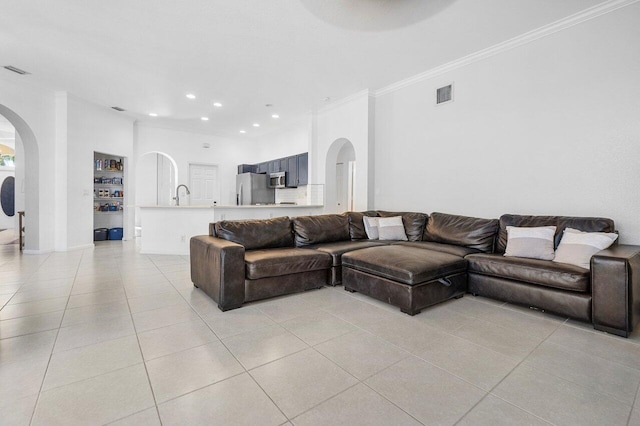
x=577, y=247
x=371, y=227
x=391, y=228
x=532, y=243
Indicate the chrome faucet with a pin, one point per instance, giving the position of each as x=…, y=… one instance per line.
x=177, y=197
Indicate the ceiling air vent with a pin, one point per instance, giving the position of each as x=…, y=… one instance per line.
x=444, y=94
x=16, y=70
x=118, y=109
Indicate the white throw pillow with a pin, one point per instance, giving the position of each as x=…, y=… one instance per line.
x=391, y=228
x=532, y=243
x=371, y=227
x=577, y=247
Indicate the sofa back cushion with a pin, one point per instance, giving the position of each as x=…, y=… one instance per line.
x=326, y=228
x=257, y=234
x=356, y=224
x=413, y=222
x=585, y=224
x=470, y=232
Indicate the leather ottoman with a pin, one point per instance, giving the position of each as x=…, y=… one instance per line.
x=408, y=277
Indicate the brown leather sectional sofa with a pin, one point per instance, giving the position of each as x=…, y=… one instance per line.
x=444, y=257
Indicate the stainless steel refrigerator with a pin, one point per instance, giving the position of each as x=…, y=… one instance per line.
x=251, y=188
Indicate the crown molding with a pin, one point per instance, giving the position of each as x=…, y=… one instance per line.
x=350, y=98
x=528, y=37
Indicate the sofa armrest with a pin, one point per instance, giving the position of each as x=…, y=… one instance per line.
x=217, y=268
x=615, y=284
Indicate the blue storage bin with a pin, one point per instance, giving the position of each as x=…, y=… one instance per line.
x=115, y=233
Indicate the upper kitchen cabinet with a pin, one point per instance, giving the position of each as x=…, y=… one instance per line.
x=303, y=168
x=296, y=167
x=263, y=167
x=274, y=166
x=247, y=168
x=292, y=171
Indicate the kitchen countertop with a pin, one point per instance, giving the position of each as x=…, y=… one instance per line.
x=261, y=206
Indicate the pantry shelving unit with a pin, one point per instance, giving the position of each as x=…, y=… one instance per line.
x=108, y=191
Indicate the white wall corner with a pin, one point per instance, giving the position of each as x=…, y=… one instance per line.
x=60, y=207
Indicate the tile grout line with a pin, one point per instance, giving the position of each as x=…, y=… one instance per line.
x=228, y=350
x=44, y=377
x=490, y=392
x=153, y=394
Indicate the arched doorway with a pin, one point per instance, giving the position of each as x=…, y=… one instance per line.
x=27, y=178
x=340, y=170
x=156, y=179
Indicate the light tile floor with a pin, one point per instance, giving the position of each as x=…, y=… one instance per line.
x=110, y=336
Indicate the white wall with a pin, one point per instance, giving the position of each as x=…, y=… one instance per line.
x=290, y=140
x=551, y=127
x=36, y=108
x=348, y=120
x=94, y=128
x=185, y=148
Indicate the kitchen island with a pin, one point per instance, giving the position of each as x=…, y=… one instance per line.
x=167, y=229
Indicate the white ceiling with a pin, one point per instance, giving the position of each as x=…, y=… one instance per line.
x=145, y=55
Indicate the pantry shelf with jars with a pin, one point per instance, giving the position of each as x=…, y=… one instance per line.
x=108, y=192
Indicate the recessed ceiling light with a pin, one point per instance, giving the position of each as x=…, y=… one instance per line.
x=275, y=116
x=191, y=96
x=256, y=125
x=217, y=104
x=153, y=114
x=243, y=131
x=204, y=118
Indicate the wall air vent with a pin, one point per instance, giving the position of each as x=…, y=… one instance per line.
x=118, y=109
x=444, y=94
x=16, y=70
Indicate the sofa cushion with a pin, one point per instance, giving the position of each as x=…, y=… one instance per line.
x=336, y=250
x=471, y=232
x=577, y=247
x=534, y=271
x=283, y=261
x=356, y=224
x=413, y=222
x=257, y=234
x=371, y=227
x=444, y=248
x=585, y=224
x=532, y=243
x=407, y=265
x=320, y=229
x=391, y=229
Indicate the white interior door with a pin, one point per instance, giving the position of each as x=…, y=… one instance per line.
x=204, y=184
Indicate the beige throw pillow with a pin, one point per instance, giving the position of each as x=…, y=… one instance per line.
x=532, y=243
x=391, y=228
x=371, y=227
x=577, y=247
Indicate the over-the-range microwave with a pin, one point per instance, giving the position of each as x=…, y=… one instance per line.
x=278, y=180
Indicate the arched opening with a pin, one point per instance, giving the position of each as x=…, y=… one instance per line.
x=156, y=179
x=340, y=170
x=27, y=175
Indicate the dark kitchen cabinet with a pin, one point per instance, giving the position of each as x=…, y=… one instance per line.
x=292, y=171
x=303, y=168
x=274, y=166
x=263, y=167
x=247, y=168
